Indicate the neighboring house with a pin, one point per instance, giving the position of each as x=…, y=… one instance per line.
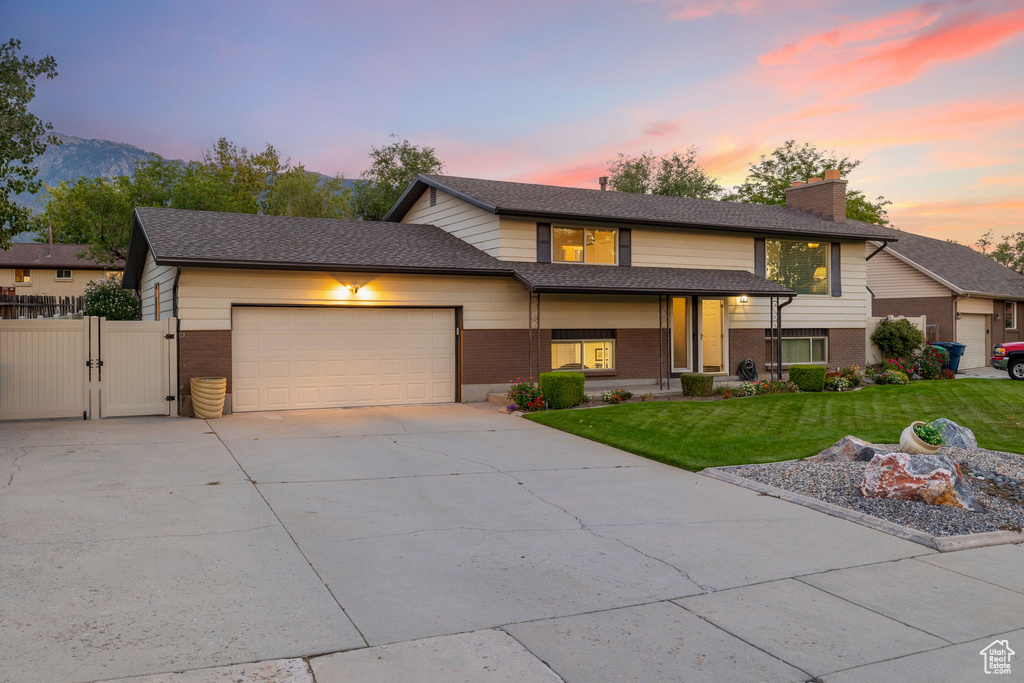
x=966, y=296
x=472, y=283
x=37, y=269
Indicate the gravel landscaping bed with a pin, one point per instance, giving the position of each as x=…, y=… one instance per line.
x=994, y=477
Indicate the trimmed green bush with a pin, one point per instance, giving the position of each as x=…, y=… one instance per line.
x=562, y=389
x=808, y=377
x=696, y=383
x=897, y=337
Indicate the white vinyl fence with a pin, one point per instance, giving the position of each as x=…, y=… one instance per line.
x=90, y=367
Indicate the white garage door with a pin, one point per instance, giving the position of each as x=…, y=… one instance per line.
x=289, y=358
x=970, y=330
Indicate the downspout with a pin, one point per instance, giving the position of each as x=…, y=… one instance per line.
x=885, y=243
x=174, y=293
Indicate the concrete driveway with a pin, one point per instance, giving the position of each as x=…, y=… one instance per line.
x=450, y=543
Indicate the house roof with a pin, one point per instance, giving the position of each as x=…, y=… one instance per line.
x=569, y=277
x=201, y=238
x=548, y=201
x=179, y=237
x=40, y=255
x=962, y=269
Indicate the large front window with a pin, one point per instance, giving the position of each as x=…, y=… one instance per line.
x=801, y=266
x=582, y=245
x=583, y=354
x=800, y=350
x=1010, y=316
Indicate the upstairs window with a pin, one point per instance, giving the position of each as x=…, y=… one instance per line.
x=801, y=266
x=23, y=276
x=63, y=274
x=582, y=245
x=1010, y=316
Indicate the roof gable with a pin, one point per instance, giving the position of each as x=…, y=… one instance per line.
x=552, y=202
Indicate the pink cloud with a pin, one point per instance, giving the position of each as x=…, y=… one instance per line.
x=709, y=8
x=886, y=26
x=661, y=128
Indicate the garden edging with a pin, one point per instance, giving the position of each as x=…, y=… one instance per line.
x=943, y=544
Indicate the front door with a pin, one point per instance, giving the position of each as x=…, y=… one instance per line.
x=712, y=318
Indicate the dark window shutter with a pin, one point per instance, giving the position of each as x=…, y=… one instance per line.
x=760, y=269
x=836, y=276
x=625, y=247
x=543, y=243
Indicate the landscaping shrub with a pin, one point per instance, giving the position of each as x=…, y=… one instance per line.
x=525, y=395
x=766, y=386
x=852, y=374
x=617, y=396
x=947, y=374
x=696, y=383
x=892, y=377
x=562, y=389
x=834, y=381
x=897, y=337
x=106, y=299
x=928, y=361
x=808, y=377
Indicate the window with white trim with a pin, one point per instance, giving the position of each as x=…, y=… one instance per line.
x=801, y=266
x=22, y=276
x=583, y=349
x=63, y=274
x=583, y=245
x=1010, y=315
x=800, y=350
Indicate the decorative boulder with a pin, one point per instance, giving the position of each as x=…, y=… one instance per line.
x=927, y=478
x=956, y=435
x=847, y=449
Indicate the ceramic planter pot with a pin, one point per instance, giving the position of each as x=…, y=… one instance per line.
x=910, y=442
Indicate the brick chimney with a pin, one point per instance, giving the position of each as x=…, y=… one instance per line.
x=822, y=197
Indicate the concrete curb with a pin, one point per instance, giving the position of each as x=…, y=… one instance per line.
x=943, y=544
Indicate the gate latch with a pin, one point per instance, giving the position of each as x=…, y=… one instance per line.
x=170, y=398
x=168, y=336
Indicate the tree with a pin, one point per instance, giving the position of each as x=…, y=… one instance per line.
x=21, y=135
x=298, y=192
x=106, y=298
x=1009, y=251
x=228, y=178
x=392, y=170
x=678, y=175
x=768, y=179
x=93, y=211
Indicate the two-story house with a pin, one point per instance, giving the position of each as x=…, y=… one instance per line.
x=470, y=283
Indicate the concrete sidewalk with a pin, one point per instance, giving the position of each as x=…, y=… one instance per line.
x=450, y=543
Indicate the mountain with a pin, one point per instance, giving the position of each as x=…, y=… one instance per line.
x=77, y=157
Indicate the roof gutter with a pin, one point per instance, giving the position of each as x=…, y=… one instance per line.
x=329, y=267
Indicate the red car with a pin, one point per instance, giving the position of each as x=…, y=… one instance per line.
x=1009, y=357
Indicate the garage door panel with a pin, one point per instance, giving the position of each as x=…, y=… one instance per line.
x=301, y=358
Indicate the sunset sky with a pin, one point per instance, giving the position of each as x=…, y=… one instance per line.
x=930, y=95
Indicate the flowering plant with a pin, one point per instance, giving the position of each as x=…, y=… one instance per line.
x=929, y=361
x=767, y=386
x=892, y=377
x=836, y=382
x=617, y=396
x=524, y=394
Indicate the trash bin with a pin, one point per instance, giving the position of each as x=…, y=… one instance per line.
x=208, y=396
x=956, y=351
x=947, y=346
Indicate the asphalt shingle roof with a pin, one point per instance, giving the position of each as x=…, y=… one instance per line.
x=178, y=236
x=964, y=268
x=40, y=255
x=501, y=197
x=576, y=277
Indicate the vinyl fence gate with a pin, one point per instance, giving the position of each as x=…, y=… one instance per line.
x=89, y=367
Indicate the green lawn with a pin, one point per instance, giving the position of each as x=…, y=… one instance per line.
x=695, y=435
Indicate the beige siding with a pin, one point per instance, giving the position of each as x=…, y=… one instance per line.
x=518, y=240
x=45, y=282
x=560, y=311
x=205, y=295
x=972, y=305
x=465, y=221
x=151, y=275
x=890, y=278
x=849, y=310
x=676, y=249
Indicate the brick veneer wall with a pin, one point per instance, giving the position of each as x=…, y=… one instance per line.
x=745, y=344
x=203, y=353
x=846, y=347
x=938, y=310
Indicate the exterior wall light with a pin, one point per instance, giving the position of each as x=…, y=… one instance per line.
x=743, y=299
x=353, y=288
